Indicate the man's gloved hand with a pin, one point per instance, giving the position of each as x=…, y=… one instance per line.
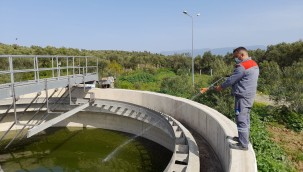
x=218, y=88
x=203, y=90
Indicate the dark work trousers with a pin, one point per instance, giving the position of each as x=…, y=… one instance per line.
x=242, y=109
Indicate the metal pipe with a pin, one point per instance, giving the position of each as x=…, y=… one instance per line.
x=7, y=131
x=98, y=67
x=86, y=65
x=11, y=67
x=8, y=109
x=37, y=66
x=53, y=72
x=46, y=94
x=37, y=95
x=35, y=69
x=192, y=46
x=67, y=66
x=83, y=80
x=57, y=68
x=79, y=66
x=69, y=91
x=73, y=66
x=192, y=51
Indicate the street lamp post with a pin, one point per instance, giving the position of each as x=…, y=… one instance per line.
x=192, y=45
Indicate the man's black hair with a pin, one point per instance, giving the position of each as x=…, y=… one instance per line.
x=239, y=49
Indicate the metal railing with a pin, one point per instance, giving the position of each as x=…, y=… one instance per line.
x=71, y=64
x=23, y=70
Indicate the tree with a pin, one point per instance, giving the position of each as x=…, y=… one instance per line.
x=220, y=68
x=293, y=86
x=257, y=55
x=114, y=68
x=206, y=61
x=285, y=54
x=270, y=79
x=176, y=62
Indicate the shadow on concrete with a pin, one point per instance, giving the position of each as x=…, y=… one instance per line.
x=209, y=162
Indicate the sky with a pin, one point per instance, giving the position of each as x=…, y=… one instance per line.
x=154, y=26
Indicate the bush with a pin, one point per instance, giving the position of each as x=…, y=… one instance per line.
x=124, y=85
x=264, y=112
x=177, y=86
x=290, y=119
x=282, y=115
x=164, y=73
x=139, y=77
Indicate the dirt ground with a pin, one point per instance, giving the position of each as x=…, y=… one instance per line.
x=290, y=141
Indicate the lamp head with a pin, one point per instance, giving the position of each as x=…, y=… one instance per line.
x=185, y=12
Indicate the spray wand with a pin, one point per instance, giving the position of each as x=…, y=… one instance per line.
x=211, y=86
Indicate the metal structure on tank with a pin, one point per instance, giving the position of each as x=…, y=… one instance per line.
x=47, y=72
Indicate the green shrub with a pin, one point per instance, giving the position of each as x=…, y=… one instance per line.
x=164, y=73
x=139, y=77
x=290, y=119
x=177, y=86
x=281, y=114
x=124, y=85
x=270, y=157
x=264, y=112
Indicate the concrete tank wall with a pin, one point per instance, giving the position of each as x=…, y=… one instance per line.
x=120, y=123
x=112, y=115
x=211, y=124
x=105, y=121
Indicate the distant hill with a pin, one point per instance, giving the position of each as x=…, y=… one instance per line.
x=216, y=51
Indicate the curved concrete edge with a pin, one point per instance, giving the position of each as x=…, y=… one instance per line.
x=211, y=124
x=137, y=125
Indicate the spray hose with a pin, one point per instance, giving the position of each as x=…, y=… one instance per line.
x=211, y=86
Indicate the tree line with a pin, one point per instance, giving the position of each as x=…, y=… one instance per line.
x=280, y=65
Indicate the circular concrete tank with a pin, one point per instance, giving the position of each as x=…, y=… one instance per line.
x=207, y=125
